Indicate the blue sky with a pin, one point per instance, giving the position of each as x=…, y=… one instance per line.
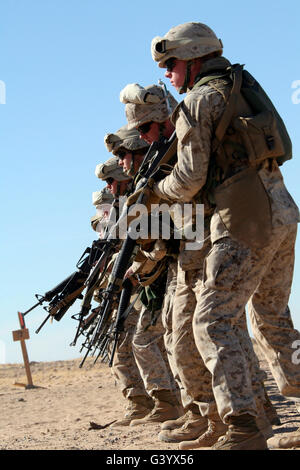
x=63, y=64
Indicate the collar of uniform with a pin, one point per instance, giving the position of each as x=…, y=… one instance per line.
x=217, y=64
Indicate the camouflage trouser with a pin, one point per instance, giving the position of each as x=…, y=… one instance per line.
x=232, y=274
x=124, y=368
x=271, y=321
x=193, y=375
x=150, y=353
x=196, y=379
x=167, y=321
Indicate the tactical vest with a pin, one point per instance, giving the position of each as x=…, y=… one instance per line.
x=249, y=132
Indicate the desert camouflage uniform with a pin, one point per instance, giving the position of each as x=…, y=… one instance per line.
x=168, y=322
x=191, y=369
x=124, y=368
x=232, y=271
x=148, y=341
x=140, y=363
x=150, y=353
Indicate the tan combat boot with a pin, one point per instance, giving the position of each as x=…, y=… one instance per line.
x=243, y=434
x=175, y=423
x=165, y=408
x=194, y=425
x=214, y=429
x=138, y=407
x=288, y=441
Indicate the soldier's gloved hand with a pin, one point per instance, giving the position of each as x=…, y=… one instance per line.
x=148, y=198
x=163, y=171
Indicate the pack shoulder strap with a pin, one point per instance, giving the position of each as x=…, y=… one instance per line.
x=237, y=75
x=208, y=78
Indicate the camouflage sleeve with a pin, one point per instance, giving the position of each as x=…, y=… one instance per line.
x=194, y=121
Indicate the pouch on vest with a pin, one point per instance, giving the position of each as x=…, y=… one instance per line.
x=244, y=207
x=241, y=200
x=260, y=136
x=275, y=134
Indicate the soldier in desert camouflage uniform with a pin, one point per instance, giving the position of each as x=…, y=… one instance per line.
x=124, y=369
x=152, y=120
x=102, y=200
x=235, y=269
x=147, y=340
x=184, y=355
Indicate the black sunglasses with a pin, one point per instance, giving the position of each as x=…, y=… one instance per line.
x=109, y=180
x=170, y=63
x=144, y=128
x=121, y=154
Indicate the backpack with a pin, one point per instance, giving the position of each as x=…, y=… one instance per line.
x=263, y=133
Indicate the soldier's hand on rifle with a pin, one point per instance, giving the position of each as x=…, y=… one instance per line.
x=131, y=275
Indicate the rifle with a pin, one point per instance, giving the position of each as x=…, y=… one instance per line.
x=162, y=155
x=93, y=280
x=62, y=296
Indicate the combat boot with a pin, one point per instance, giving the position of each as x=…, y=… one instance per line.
x=194, y=425
x=242, y=434
x=165, y=408
x=138, y=407
x=214, y=430
x=288, y=441
x=175, y=423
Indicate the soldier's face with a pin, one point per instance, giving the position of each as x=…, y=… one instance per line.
x=125, y=162
x=113, y=187
x=176, y=74
x=152, y=135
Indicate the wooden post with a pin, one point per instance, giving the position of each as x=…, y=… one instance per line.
x=21, y=335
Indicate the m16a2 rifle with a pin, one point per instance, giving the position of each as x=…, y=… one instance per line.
x=163, y=154
x=63, y=296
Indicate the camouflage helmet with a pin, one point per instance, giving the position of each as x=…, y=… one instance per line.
x=124, y=138
x=102, y=197
x=111, y=169
x=146, y=104
x=186, y=41
x=100, y=220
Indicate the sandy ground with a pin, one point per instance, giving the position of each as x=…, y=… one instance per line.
x=57, y=415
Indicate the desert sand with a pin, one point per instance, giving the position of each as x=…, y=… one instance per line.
x=57, y=414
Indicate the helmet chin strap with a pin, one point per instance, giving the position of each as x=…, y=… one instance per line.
x=131, y=172
x=187, y=78
x=118, y=189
